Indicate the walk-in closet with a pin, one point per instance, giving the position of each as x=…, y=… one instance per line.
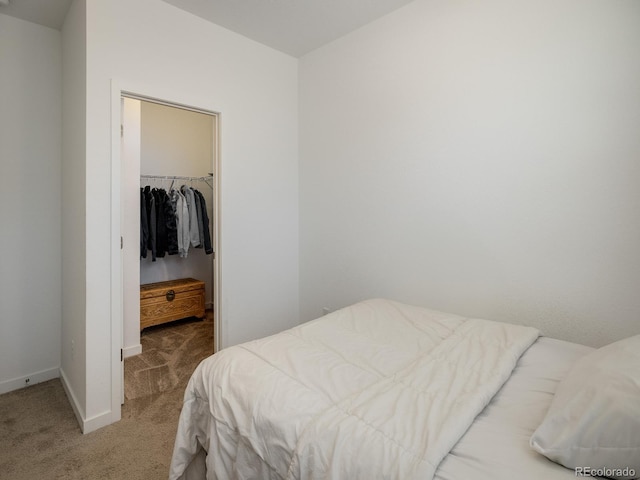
x=168, y=223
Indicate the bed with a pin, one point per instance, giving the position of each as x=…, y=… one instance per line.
x=385, y=390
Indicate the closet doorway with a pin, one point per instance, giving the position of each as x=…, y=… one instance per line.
x=166, y=147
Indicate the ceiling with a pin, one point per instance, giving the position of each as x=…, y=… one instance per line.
x=49, y=13
x=291, y=26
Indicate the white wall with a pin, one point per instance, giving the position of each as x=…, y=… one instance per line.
x=74, y=245
x=481, y=158
x=176, y=141
x=159, y=48
x=130, y=224
x=30, y=158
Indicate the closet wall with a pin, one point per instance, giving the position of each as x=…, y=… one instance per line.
x=179, y=142
x=165, y=141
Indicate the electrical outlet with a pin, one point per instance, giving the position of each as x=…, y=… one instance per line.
x=325, y=310
x=26, y=381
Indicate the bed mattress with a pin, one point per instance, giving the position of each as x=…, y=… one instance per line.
x=496, y=446
x=381, y=389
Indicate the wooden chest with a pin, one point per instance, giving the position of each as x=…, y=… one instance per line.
x=163, y=302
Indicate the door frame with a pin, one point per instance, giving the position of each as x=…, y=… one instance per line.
x=178, y=99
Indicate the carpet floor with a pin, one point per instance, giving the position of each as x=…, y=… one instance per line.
x=40, y=437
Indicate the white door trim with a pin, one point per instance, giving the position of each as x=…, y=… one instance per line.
x=172, y=98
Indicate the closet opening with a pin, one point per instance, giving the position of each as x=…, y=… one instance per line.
x=169, y=219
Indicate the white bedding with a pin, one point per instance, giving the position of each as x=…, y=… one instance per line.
x=496, y=446
x=376, y=390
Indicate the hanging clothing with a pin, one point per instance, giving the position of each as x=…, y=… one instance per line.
x=172, y=222
x=170, y=225
x=144, y=225
x=176, y=203
x=196, y=197
x=161, y=229
x=205, y=224
x=186, y=237
x=182, y=217
x=194, y=233
x=151, y=218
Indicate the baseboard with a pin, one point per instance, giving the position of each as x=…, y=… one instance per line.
x=98, y=421
x=29, y=380
x=87, y=425
x=78, y=411
x=132, y=351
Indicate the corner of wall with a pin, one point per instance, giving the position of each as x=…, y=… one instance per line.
x=77, y=407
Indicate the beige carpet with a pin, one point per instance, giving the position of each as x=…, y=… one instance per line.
x=40, y=437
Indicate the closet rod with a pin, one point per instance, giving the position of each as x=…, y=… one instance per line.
x=176, y=177
x=207, y=179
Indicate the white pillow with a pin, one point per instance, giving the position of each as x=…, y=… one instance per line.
x=593, y=422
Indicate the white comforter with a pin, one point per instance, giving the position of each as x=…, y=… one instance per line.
x=375, y=390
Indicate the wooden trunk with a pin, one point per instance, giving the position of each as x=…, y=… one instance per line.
x=163, y=302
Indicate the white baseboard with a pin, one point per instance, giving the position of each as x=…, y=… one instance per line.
x=132, y=351
x=77, y=408
x=97, y=421
x=29, y=380
x=87, y=425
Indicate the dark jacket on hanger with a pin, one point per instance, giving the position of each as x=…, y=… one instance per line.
x=205, y=224
x=151, y=218
x=171, y=226
x=161, y=229
x=198, y=205
x=144, y=225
